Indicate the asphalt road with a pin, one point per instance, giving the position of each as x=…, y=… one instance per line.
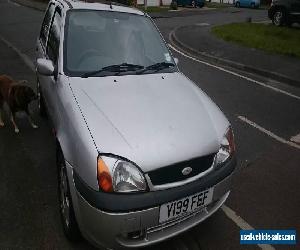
x=266, y=187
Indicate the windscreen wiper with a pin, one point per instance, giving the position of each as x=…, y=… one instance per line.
x=156, y=67
x=114, y=68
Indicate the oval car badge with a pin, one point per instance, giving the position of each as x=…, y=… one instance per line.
x=186, y=171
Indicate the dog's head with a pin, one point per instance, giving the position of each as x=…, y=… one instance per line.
x=23, y=93
x=29, y=93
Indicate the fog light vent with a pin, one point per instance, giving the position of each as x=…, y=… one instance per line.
x=139, y=234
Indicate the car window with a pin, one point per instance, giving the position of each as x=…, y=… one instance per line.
x=46, y=24
x=96, y=39
x=54, y=37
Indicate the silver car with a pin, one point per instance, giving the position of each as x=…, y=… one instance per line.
x=142, y=153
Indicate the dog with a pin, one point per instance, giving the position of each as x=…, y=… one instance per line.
x=18, y=96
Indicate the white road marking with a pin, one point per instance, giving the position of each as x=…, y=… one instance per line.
x=23, y=56
x=295, y=138
x=242, y=224
x=236, y=74
x=269, y=133
x=202, y=24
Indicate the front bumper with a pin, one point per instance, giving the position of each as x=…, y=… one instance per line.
x=140, y=227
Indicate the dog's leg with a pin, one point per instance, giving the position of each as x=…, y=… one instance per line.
x=14, y=123
x=31, y=120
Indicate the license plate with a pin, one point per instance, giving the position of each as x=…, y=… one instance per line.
x=186, y=205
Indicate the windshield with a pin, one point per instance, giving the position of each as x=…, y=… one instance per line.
x=99, y=39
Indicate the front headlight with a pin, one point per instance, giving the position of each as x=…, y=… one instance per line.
x=227, y=148
x=128, y=178
x=116, y=175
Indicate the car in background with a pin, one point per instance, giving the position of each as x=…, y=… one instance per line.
x=284, y=12
x=142, y=153
x=247, y=3
x=193, y=3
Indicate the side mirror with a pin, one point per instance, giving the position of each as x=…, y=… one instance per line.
x=45, y=67
x=176, y=60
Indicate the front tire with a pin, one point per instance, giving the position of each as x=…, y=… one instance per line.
x=68, y=218
x=278, y=17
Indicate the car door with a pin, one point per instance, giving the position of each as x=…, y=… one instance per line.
x=52, y=53
x=41, y=48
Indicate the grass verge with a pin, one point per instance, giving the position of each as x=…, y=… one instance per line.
x=282, y=40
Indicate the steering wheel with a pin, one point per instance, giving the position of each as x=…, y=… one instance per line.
x=88, y=53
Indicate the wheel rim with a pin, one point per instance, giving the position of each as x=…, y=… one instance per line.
x=278, y=17
x=64, y=196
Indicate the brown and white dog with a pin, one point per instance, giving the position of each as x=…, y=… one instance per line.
x=17, y=96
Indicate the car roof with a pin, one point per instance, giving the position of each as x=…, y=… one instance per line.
x=98, y=5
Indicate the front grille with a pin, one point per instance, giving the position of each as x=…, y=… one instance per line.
x=173, y=173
